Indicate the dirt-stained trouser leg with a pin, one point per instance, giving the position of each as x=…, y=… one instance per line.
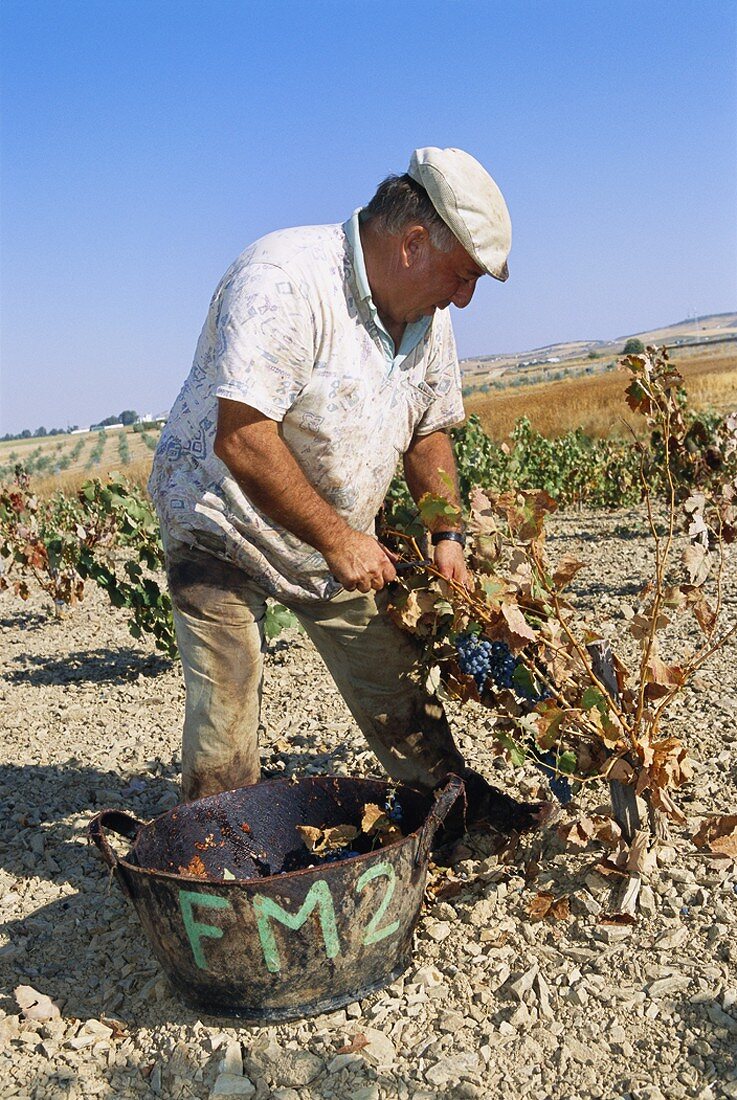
x=218, y=618
x=371, y=661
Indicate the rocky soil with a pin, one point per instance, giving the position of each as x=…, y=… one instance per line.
x=493, y=1002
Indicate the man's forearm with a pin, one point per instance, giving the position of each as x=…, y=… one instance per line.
x=427, y=460
x=273, y=480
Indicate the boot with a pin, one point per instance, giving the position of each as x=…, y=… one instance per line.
x=485, y=807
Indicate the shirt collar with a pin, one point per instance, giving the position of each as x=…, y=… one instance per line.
x=359, y=264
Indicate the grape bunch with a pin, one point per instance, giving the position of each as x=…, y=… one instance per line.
x=482, y=659
x=393, y=808
x=559, y=784
x=339, y=855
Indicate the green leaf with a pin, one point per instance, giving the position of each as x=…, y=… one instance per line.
x=517, y=753
x=567, y=762
x=435, y=510
x=278, y=618
x=591, y=698
x=523, y=681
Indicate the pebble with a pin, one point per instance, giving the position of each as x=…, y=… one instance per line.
x=232, y=1084
x=663, y=987
x=438, y=931
x=452, y=1068
x=380, y=1050
x=232, y=1063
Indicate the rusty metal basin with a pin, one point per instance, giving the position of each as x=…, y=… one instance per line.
x=272, y=943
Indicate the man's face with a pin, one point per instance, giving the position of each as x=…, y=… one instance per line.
x=434, y=280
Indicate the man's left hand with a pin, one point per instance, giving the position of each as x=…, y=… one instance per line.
x=451, y=562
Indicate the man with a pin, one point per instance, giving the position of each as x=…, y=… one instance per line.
x=327, y=354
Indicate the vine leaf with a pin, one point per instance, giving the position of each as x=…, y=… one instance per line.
x=278, y=618
x=718, y=834
x=332, y=839
x=520, y=632
x=566, y=570
x=436, y=511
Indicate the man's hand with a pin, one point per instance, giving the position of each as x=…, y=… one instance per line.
x=360, y=562
x=450, y=561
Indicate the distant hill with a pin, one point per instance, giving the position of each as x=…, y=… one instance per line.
x=713, y=328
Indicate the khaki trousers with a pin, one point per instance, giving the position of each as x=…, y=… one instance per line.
x=219, y=620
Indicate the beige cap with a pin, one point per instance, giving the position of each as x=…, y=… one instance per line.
x=469, y=202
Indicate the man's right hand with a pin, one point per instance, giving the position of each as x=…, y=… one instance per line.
x=360, y=562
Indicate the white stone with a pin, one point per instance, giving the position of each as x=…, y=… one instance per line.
x=524, y=982
x=379, y=1050
x=663, y=987
x=340, y=1061
x=439, y=931
x=232, y=1063
x=453, y=1068
x=671, y=939
x=232, y=1084
x=96, y=1029
x=429, y=976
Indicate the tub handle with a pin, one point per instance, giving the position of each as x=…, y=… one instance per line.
x=437, y=815
x=118, y=821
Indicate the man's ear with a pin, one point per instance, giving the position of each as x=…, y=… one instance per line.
x=414, y=245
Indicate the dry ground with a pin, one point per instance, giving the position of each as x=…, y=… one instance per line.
x=493, y=1003
x=596, y=402
x=135, y=466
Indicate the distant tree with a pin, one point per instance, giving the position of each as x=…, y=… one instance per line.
x=593, y=355
x=128, y=416
x=26, y=433
x=633, y=346
x=40, y=432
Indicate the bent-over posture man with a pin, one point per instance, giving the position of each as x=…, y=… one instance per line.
x=327, y=354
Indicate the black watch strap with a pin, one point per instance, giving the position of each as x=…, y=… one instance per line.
x=448, y=536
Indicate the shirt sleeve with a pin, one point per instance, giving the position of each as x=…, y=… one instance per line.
x=443, y=375
x=264, y=339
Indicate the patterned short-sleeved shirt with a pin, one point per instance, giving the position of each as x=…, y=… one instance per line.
x=292, y=332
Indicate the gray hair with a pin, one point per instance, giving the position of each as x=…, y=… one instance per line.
x=400, y=202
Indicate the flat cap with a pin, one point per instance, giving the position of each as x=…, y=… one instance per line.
x=469, y=202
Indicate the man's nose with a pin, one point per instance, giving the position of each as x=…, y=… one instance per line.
x=464, y=295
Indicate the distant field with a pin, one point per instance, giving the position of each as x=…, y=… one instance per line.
x=66, y=461
x=595, y=402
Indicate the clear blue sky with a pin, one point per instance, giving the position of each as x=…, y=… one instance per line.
x=144, y=144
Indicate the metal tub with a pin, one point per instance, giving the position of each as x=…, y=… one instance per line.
x=267, y=946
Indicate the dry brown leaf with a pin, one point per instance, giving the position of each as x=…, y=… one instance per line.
x=606, y=867
x=640, y=860
x=35, y=1005
x=546, y=906
x=566, y=570
x=719, y=834
x=607, y=831
x=518, y=626
x=118, y=1028
x=698, y=562
x=617, y=918
x=451, y=888
x=579, y=833
x=374, y=819
x=620, y=770
x=358, y=1042
x=332, y=839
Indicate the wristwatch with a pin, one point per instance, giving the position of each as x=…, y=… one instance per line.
x=448, y=536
